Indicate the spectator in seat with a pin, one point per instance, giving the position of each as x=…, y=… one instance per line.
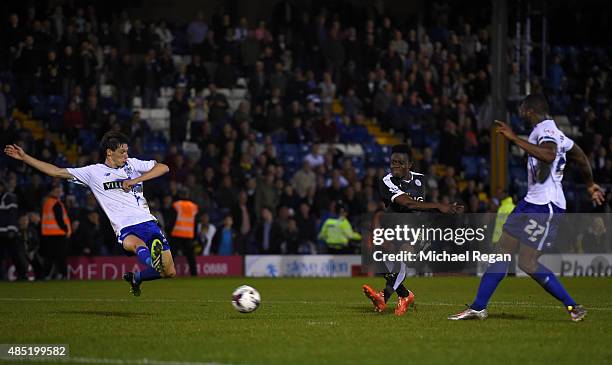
x=315, y=158
x=196, y=31
x=73, y=122
x=304, y=179
x=179, y=116
x=225, y=75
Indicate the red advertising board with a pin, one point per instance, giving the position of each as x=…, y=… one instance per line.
x=113, y=267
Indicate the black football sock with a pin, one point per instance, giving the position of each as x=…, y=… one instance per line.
x=402, y=291
x=390, y=278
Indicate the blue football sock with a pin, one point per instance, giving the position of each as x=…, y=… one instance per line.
x=147, y=275
x=488, y=283
x=144, y=255
x=552, y=285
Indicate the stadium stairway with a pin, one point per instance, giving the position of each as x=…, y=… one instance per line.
x=37, y=129
x=381, y=137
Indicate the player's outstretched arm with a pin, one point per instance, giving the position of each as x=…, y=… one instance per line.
x=158, y=169
x=18, y=153
x=406, y=201
x=546, y=152
x=577, y=155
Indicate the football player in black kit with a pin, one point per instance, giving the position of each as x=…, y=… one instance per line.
x=403, y=191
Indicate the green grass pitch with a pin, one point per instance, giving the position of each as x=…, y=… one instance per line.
x=305, y=321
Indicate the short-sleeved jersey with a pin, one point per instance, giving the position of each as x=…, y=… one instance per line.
x=391, y=187
x=544, y=180
x=123, y=209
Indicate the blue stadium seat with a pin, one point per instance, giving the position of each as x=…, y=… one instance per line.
x=518, y=173
x=88, y=140
x=357, y=161
x=432, y=141
x=40, y=110
x=289, y=172
x=373, y=154
x=470, y=166
x=278, y=137
x=124, y=114
x=361, y=135
x=345, y=135
x=108, y=104
x=483, y=169
x=57, y=101
x=417, y=135
x=516, y=161
x=291, y=156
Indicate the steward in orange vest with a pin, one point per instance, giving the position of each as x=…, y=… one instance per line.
x=183, y=229
x=55, y=220
x=56, y=229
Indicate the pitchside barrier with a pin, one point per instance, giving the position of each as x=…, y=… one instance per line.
x=113, y=267
x=329, y=266
x=597, y=265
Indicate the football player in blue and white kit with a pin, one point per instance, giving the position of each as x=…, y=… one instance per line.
x=117, y=185
x=532, y=225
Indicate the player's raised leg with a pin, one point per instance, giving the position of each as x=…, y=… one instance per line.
x=169, y=270
x=137, y=246
x=157, y=260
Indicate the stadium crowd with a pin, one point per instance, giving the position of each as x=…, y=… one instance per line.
x=311, y=79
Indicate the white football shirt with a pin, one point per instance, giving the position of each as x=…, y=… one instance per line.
x=123, y=209
x=544, y=180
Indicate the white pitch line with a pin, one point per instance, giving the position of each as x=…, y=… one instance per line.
x=122, y=300
x=93, y=360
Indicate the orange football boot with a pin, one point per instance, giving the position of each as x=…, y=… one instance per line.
x=404, y=303
x=377, y=298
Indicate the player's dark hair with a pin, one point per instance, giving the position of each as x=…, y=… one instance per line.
x=536, y=103
x=402, y=148
x=111, y=141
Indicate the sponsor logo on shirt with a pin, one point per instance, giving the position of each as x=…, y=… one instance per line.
x=112, y=185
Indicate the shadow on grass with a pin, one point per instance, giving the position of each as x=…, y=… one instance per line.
x=507, y=316
x=365, y=308
x=98, y=313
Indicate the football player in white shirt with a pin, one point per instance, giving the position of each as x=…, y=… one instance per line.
x=117, y=185
x=532, y=225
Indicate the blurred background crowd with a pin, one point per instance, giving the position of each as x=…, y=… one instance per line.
x=271, y=126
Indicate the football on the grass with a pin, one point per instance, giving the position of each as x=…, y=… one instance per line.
x=245, y=299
